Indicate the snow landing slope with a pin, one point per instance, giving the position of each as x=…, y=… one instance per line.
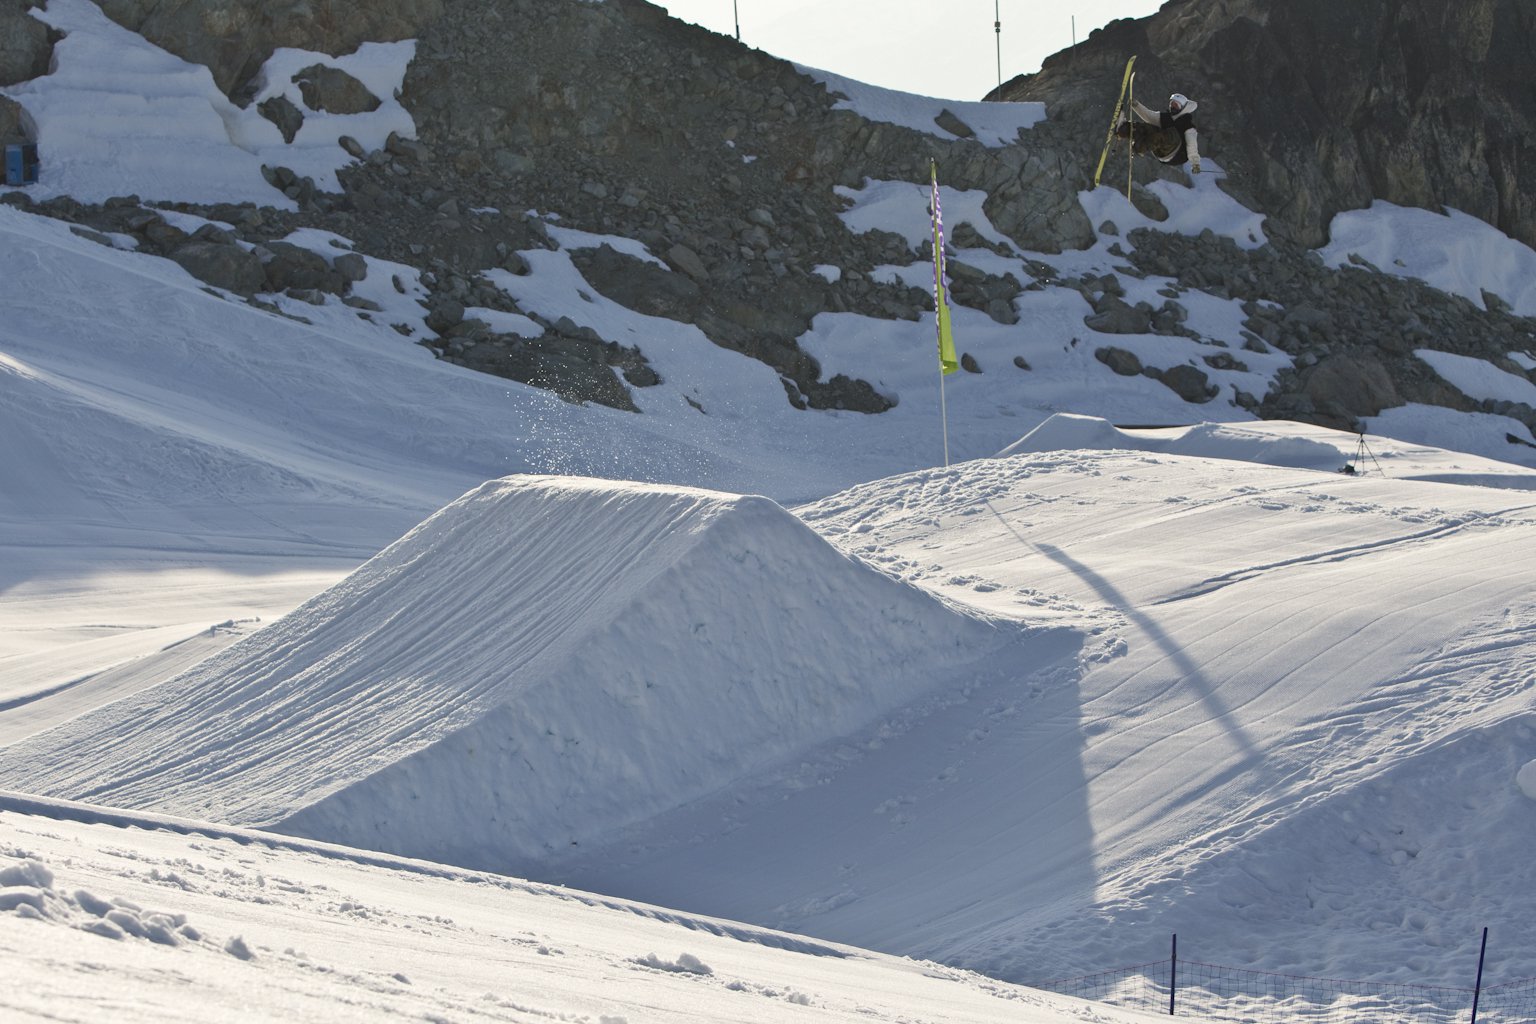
x=1292, y=734
x=540, y=662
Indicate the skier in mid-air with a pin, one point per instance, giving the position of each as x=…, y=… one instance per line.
x=1168, y=134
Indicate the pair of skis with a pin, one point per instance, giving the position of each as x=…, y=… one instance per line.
x=1122, y=102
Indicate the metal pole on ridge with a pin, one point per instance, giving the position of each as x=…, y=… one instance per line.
x=737, y=12
x=997, y=23
x=1477, y=990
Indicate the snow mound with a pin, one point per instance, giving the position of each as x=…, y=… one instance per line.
x=542, y=661
x=1525, y=778
x=1423, y=444
x=1239, y=443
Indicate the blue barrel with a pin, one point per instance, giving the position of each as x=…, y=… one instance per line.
x=21, y=163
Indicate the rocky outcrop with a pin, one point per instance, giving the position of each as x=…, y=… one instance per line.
x=26, y=46
x=1352, y=333
x=725, y=163
x=1316, y=106
x=25, y=43
x=233, y=38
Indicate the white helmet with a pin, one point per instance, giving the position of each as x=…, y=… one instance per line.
x=1177, y=102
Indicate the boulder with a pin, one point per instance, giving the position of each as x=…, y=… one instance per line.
x=952, y=124
x=1113, y=315
x=334, y=91
x=289, y=266
x=222, y=266
x=233, y=38
x=14, y=123
x=1345, y=388
x=1123, y=362
x=681, y=257
x=281, y=112
x=1189, y=383
x=25, y=44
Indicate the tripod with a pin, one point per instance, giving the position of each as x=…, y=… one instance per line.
x=1356, y=466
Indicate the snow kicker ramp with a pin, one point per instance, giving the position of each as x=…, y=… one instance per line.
x=540, y=662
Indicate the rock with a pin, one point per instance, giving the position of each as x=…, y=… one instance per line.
x=222, y=266
x=1225, y=361
x=234, y=37
x=968, y=363
x=351, y=267
x=15, y=125
x=94, y=236
x=1189, y=383
x=289, y=266
x=1494, y=304
x=1344, y=388
x=1397, y=73
x=640, y=285
x=685, y=259
x=281, y=112
x=25, y=46
x=952, y=124
x=1114, y=316
x=333, y=91
x=1123, y=362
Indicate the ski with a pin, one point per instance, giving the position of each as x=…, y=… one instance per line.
x=1130, y=135
x=1109, y=139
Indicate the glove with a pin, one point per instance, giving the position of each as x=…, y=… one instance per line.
x=1194, y=168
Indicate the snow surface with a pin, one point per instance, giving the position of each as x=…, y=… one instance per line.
x=144, y=919
x=993, y=124
x=619, y=609
x=119, y=116
x=1478, y=378
x=1453, y=251
x=1027, y=713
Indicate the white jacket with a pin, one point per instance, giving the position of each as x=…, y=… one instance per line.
x=1191, y=137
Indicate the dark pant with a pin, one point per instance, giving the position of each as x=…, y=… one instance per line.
x=1163, y=143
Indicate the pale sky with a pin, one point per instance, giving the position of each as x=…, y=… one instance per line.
x=944, y=48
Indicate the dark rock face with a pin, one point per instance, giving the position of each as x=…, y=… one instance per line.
x=726, y=162
x=12, y=123
x=281, y=112
x=223, y=266
x=235, y=37
x=334, y=91
x=1317, y=106
x=25, y=43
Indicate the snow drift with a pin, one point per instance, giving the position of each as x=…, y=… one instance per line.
x=540, y=662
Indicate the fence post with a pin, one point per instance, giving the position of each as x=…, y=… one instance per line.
x=1477, y=990
x=1173, y=977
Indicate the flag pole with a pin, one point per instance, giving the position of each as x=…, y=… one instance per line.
x=948, y=362
x=944, y=415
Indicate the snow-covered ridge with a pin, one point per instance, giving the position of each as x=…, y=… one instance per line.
x=120, y=116
x=994, y=124
x=1452, y=251
x=541, y=661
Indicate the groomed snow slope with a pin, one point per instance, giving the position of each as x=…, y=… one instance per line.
x=542, y=661
x=1292, y=735
x=143, y=919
